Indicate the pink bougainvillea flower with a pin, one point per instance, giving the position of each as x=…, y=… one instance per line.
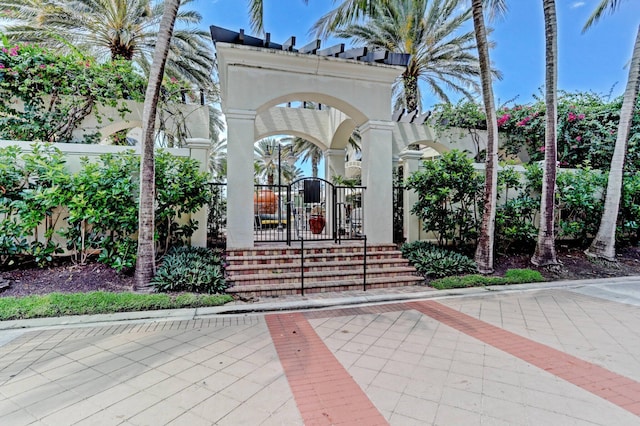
x=581, y=117
x=523, y=122
x=541, y=149
x=503, y=119
x=572, y=117
x=1, y=66
x=5, y=50
x=579, y=138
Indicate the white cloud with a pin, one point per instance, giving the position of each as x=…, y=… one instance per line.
x=577, y=4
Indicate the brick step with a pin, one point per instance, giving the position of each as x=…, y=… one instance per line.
x=277, y=289
x=291, y=277
x=323, y=264
x=332, y=250
x=310, y=258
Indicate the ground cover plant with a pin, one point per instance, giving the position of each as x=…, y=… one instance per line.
x=511, y=276
x=193, y=269
x=99, y=302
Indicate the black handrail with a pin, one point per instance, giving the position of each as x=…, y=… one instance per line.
x=364, y=278
x=302, y=265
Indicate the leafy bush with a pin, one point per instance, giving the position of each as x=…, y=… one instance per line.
x=512, y=276
x=180, y=189
x=193, y=269
x=449, y=191
x=515, y=218
x=629, y=217
x=100, y=200
x=579, y=203
x=434, y=261
x=74, y=83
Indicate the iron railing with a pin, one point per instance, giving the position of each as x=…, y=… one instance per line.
x=217, y=218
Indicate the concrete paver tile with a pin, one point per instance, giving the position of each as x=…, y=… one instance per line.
x=396, y=419
x=159, y=414
x=113, y=395
x=416, y=408
x=18, y=418
x=167, y=387
x=189, y=397
x=241, y=390
x=370, y=362
x=391, y=382
x=454, y=415
x=214, y=408
x=72, y=414
x=218, y=381
x=187, y=418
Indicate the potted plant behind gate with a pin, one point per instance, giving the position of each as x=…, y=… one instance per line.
x=316, y=221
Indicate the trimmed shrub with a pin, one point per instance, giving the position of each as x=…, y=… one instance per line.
x=193, y=269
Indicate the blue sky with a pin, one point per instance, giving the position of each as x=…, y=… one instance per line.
x=594, y=61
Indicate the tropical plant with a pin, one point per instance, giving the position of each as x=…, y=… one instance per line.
x=486, y=235
x=113, y=29
x=603, y=245
x=193, y=269
x=146, y=259
x=545, y=253
x=432, y=32
x=436, y=262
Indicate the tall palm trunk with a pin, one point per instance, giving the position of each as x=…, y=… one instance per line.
x=545, y=253
x=146, y=262
x=604, y=244
x=484, y=250
x=410, y=83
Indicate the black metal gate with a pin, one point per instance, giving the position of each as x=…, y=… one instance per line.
x=308, y=209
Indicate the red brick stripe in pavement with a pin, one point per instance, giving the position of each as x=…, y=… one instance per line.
x=324, y=391
x=606, y=384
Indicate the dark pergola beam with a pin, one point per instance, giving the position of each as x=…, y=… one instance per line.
x=310, y=48
x=331, y=51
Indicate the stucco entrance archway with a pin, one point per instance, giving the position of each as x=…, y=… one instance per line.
x=255, y=81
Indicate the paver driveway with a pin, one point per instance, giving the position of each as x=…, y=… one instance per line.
x=550, y=357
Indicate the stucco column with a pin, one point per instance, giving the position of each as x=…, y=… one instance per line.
x=199, y=151
x=412, y=161
x=377, y=177
x=240, y=140
x=334, y=163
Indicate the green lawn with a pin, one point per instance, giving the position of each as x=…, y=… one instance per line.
x=99, y=302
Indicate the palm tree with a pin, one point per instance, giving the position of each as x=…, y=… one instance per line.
x=484, y=250
x=113, y=29
x=218, y=159
x=271, y=155
x=545, y=253
x=604, y=243
x=443, y=55
x=308, y=151
x=146, y=259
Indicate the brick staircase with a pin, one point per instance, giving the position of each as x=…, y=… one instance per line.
x=273, y=271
